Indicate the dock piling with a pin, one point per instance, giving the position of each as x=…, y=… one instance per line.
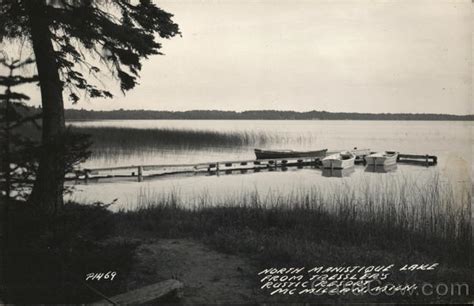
x=140, y=173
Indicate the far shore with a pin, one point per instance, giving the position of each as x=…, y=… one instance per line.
x=72, y=114
x=140, y=114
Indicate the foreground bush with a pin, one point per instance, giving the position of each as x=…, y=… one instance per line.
x=47, y=260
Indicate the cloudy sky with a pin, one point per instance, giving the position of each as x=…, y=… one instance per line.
x=361, y=55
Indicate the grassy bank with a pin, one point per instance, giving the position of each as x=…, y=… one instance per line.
x=383, y=212
x=391, y=226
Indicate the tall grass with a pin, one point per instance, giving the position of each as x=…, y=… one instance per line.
x=114, y=142
x=401, y=217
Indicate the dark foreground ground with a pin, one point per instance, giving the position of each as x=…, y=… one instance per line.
x=216, y=252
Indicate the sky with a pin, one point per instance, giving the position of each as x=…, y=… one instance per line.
x=335, y=55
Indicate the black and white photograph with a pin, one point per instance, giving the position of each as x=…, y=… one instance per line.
x=236, y=152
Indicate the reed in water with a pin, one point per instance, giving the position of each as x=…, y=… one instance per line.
x=112, y=141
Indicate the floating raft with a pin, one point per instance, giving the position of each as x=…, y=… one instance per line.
x=230, y=166
x=426, y=160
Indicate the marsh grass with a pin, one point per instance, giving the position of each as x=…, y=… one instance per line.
x=111, y=145
x=132, y=139
x=120, y=144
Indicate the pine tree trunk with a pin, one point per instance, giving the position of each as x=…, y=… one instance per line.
x=48, y=188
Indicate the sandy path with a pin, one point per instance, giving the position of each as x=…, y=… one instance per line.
x=208, y=276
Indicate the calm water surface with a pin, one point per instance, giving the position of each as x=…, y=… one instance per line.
x=450, y=141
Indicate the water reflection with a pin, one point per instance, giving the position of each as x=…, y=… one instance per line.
x=328, y=172
x=381, y=168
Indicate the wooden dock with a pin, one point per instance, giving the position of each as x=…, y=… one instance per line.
x=141, y=171
x=207, y=167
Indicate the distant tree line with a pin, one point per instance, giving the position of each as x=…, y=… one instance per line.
x=73, y=114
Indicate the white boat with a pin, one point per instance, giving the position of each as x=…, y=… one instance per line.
x=360, y=152
x=382, y=158
x=340, y=160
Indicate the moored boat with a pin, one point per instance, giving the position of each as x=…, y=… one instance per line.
x=360, y=152
x=340, y=160
x=267, y=154
x=382, y=158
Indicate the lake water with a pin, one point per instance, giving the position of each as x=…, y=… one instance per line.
x=450, y=141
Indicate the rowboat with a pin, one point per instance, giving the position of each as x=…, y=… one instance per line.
x=382, y=158
x=266, y=154
x=340, y=160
